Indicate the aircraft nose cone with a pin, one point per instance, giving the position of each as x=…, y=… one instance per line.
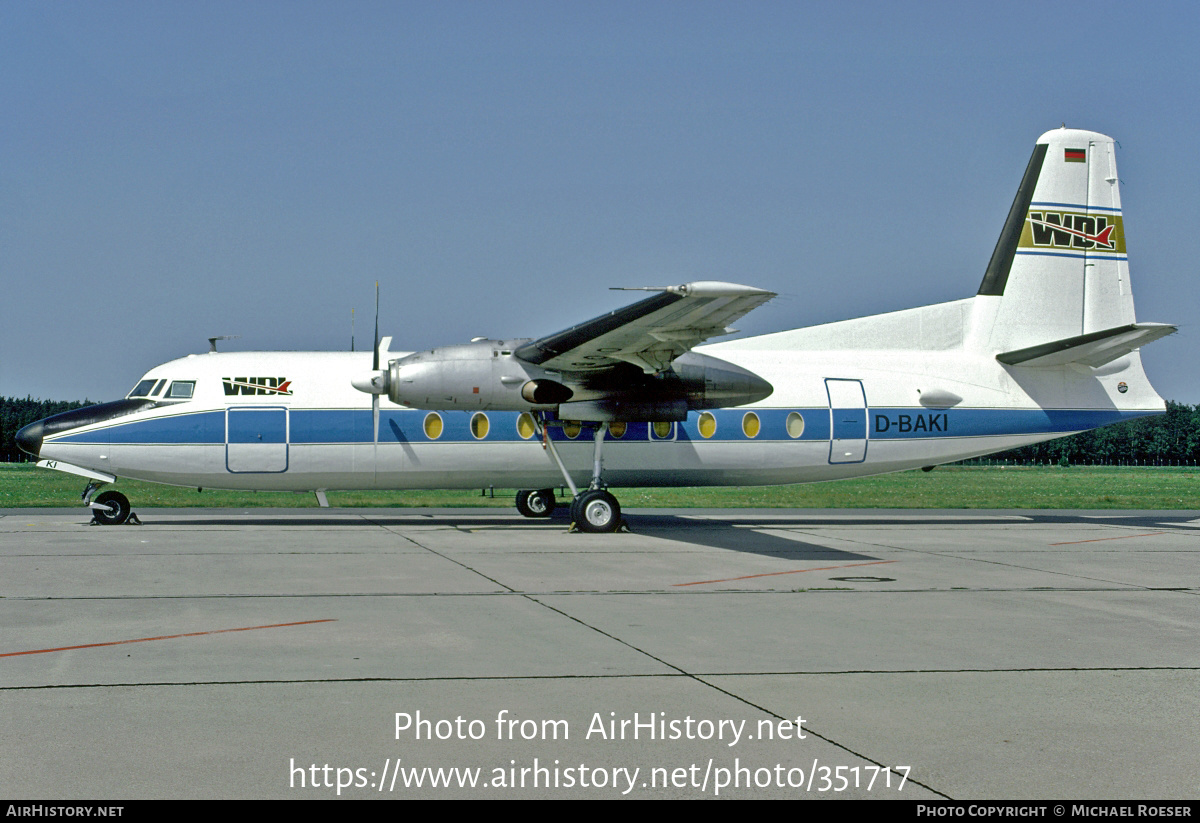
x=29, y=438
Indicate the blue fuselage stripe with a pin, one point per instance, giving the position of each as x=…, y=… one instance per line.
x=334, y=426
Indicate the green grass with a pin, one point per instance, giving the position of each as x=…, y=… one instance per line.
x=949, y=487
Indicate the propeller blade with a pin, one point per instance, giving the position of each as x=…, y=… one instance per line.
x=375, y=367
x=375, y=357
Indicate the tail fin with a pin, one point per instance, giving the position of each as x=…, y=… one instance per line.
x=1058, y=280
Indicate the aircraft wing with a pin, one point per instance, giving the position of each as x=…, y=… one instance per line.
x=650, y=333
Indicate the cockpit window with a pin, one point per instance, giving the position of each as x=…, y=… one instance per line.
x=181, y=389
x=158, y=387
x=142, y=389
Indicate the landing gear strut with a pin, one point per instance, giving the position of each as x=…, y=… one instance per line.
x=593, y=510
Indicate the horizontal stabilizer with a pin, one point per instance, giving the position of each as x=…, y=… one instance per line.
x=1094, y=349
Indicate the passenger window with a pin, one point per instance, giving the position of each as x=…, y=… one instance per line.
x=526, y=428
x=142, y=389
x=479, y=425
x=433, y=425
x=751, y=425
x=181, y=389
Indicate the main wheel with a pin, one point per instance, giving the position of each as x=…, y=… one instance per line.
x=536, y=503
x=117, y=511
x=596, y=511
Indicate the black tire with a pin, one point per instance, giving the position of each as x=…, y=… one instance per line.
x=536, y=503
x=596, y=511
x=118, y=511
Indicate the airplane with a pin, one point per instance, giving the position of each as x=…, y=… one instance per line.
x=1047, y=347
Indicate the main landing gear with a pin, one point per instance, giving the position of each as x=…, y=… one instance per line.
x=110, y=508
x=596, y=511
x=536, y=503
x=593, y=510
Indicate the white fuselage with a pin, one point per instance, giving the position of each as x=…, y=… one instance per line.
x=879, y=394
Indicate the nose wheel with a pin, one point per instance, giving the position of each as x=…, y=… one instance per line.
x=110, y=508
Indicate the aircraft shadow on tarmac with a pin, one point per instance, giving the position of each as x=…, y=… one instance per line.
x=709, y=531
x=742, y=531
x=722, y=534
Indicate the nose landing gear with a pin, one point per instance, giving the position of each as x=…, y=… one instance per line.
x=110, y=508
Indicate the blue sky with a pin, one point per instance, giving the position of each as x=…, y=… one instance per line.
x=173, y=171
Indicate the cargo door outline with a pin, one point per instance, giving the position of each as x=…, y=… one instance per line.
x=256, y=439
x=847, y=420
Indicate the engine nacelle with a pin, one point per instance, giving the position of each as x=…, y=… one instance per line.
x=481, y=375
x=485, y=376
x=693, y=383
x=713, y=383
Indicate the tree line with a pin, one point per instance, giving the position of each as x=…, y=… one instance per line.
x=1168, y=439
x=16, y=412
x=1162, y=440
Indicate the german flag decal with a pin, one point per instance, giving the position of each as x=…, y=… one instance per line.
x=1075, y=155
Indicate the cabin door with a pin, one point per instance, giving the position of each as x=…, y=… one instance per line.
x=256, y=439
x=847, y=421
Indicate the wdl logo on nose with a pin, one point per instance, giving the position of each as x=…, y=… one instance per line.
x=257, y=385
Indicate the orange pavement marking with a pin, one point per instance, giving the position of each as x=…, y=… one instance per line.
x=166, y=637
x=1098, y=539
